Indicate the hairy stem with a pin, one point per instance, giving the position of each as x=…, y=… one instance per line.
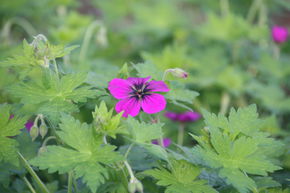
x=69, y=184
x=29, y=185
x=33, y=174
x=132, y=177
x=55, y=68
x=180, y=134
x=253, y=11
x=128, y=150
x=225, y=7
x=276, y=51
x=225, y=102
x=87, y=38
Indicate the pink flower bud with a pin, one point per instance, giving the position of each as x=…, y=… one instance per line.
x=279, y=34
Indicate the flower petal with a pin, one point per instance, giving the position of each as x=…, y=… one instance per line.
x=138, y=81
x=153, y=103
x=157, y=86
x=119, y=88
x=130, y=106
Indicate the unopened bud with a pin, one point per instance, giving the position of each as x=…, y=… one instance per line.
x=139, y=186
x=178, y=72
x=43, y=130
x=132, y=187
x=34, y=132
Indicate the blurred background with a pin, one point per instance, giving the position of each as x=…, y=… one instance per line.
x=228, y=48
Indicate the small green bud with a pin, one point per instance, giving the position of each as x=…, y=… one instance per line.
x=178, y=72
x=123, y=72
x=34, y=132
x=132, y=187
x=139, y=186
x=43, y=130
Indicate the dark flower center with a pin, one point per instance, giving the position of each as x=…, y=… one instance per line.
x=139, y=91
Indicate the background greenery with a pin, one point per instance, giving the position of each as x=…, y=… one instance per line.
x=225, y=46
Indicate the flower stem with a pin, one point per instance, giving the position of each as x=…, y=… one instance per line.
x=225, y=7
x=253, y=11
x=276, y=51
x=225, y=102
x=33, y=174
x=132, y=177
x=55, y=68
x=47, y=139
x=29, y=185
x=128, y=150
x=26, y=26
x=180, y=134
x=87, y=38
x=69, y=184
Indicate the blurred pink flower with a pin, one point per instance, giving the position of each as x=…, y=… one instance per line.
x=28, y=125
x=166, y=142
x=138, y=93
x=279, y=34
x=183, y=117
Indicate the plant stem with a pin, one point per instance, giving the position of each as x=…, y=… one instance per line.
x=180, y=134
x=33, y=174
x=47, y=139
x=69, y=185
x=276, y=51
x=164, y=74
x=28, y=28
x=225, y=102
x=132, y=177
x=29, y=185
x=253, y=11
x=87, y=38
x=225, y=7
x=128, y=150
x=55, y=68
x=105, y=139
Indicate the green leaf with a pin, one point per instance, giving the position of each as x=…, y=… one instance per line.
x=144, y=132
x=53, y=96
x=84, y=154
x=9, y=127
x=244, y=120
x=181, y=178
x=178, y=94
x=236, y=147
x=148, y=69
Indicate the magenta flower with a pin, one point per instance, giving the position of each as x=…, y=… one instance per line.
x=138, y=93
x=279, y=34
x=166, y=142
x=183, y=117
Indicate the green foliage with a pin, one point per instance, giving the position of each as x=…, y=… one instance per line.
x=84, y=154
x=36, y=54
x=179, y=94
x=180, y=178
x=142, y=133
x=148, y=69
x=105, y=122
x=236, y=147
x=231, y=28
x=53, y=96
x=9, y=127
x=270, y=96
